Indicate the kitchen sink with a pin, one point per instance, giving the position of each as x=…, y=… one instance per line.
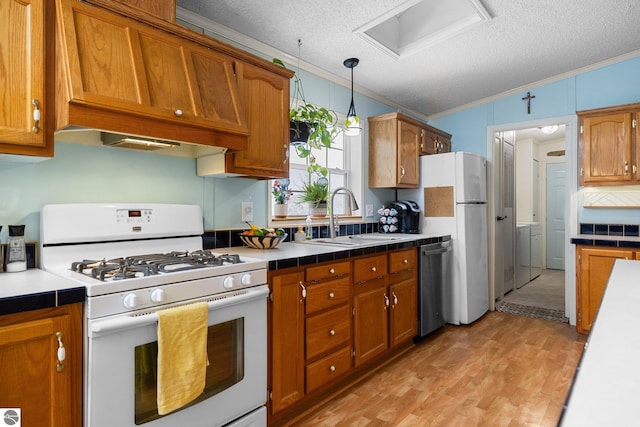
x=355, y=240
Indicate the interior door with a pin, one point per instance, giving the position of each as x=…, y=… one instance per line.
x=504, y=200
x=556, y=182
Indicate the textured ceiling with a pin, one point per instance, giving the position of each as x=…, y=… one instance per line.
x=526, y=42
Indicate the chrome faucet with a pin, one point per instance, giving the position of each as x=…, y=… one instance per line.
x=333, y=223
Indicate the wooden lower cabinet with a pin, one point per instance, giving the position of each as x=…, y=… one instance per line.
x=286, y=350
x=386, y=304
x=48, y=392
x=330, y=323
x=592, y=273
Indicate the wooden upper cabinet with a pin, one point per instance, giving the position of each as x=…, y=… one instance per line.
x=115, y=73
x=26, y=76
x=265, y=97
x=165, y=9
x=609, y=146
x=394, y=143
x=434, y=141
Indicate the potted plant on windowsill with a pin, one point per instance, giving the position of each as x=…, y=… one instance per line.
x=281, y=195
x=319, y=123
x=316, y=193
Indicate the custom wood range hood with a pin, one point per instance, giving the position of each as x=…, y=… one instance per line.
x=122, y=70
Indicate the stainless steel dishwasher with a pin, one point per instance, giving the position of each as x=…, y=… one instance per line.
x=434, y=291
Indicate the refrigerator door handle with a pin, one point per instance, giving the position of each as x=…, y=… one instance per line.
x=501, y=218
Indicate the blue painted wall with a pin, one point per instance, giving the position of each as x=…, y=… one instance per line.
x=83, y=173
x=609, y=85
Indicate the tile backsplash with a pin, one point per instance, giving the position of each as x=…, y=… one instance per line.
x=629, y=230
x=229, y=238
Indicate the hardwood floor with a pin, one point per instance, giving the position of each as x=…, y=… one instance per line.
x=503, y=370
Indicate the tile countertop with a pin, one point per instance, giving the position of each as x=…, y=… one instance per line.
x=294, y=254
x=606, y=240
x=605, y=386
x=34, y=289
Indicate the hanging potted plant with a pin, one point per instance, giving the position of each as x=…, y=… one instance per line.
x=310, y=126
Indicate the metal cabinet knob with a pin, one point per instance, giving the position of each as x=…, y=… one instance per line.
x=332, y=271
x=332, y=368
x=406, y=261
x=331, y=295
x=178, y=112
x=332, y=332
x=374, y=269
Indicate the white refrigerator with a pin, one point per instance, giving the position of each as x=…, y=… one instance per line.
x=454, y=188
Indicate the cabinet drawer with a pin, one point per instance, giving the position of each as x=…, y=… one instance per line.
x=327, y=271
x=328, y=330
x=369, y=268
x=328, y=368
x=327, y=294
x=402, y=261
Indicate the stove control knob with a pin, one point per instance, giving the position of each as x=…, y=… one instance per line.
x=229, y=282
x=130, y=300
x=157, y=295
x=246, y=279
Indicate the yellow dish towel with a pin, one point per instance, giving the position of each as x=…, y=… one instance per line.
x=182, y=355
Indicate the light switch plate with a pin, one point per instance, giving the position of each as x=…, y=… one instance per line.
x=247, y=211
x=369, y=211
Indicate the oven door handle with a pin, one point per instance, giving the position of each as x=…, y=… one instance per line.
x=130, y=321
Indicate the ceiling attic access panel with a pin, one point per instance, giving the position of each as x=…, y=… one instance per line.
x=419, y=24
x=123, y=76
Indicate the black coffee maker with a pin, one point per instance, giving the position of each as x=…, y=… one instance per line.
x=408, y=216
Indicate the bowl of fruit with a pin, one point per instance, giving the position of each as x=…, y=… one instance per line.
x=262, y=238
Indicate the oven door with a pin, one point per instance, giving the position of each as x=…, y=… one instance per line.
x=121, y=364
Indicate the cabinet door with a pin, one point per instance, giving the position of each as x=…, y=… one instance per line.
x=265, y=98
x=118, y=64
x=30, y=380
x=595, y=265
x=24, y=71
x=605, y=149
x=370, y=327
x=409, y=138
x=287, y=340
x=428, y=142
x=403, y=315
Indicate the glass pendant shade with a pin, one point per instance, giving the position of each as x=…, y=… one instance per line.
x=352, y=124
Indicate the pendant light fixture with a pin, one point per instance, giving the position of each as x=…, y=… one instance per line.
x=352, y=125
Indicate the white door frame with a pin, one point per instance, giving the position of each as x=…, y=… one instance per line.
x=571, y=202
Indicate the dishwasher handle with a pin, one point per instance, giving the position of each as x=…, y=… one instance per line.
x=436, y=248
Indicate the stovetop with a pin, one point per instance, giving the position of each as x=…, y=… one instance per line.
x=152, y=264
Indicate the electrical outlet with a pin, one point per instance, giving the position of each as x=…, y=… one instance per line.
x=369, y=211
x=247, y=211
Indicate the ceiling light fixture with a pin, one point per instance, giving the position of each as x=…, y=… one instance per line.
x=549, y=129
x=353, y=121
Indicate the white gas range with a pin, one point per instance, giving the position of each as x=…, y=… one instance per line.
x=136, y=259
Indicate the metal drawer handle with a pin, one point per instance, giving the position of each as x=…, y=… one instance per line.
x=386, y=301
x=406, y=261
x=402, y=171
x=36, y=116
x=331, y=295
x=304, y=293
x=626, y=167
x=178, y=112
x=374, y=269
x=332, y=368
x=332, y=271
x=332, y=332
x=62, y=354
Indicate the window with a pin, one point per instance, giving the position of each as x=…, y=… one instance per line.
x=342, y=160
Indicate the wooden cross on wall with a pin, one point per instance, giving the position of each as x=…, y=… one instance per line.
x=528, y=98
